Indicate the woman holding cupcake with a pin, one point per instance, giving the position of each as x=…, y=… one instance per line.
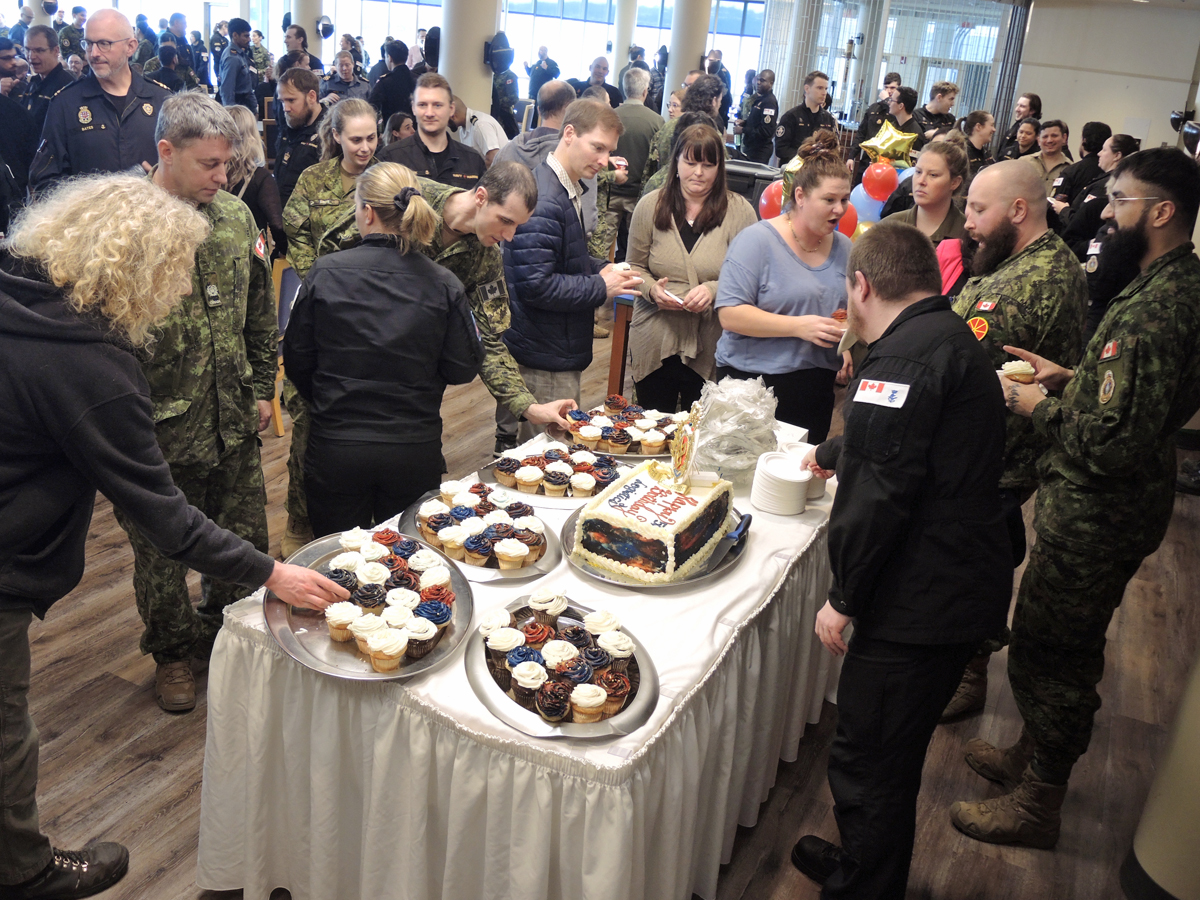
x=678, y=239
x=782, y=281
x=376, y=334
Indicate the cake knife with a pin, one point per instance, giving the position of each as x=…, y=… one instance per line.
x=735, y=536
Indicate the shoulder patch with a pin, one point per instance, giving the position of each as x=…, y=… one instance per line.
x=985, y=305
x=881, y=393
x=979, y=327
x=260, y=246
x=779, y=131
x=1108, y=386
x=1112, y=350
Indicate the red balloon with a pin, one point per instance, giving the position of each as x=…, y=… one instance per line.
x=880, y=180
x=771, y=201
x=849, y=221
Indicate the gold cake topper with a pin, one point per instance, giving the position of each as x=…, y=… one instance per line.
x=683, y=449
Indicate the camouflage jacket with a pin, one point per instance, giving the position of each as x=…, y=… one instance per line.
x=319, y=216
x=70, y=39
x=481, y=271
x=215, y=354
x=1036, y=300
x=1108, y=481
x=660, y=150
x=182, y=69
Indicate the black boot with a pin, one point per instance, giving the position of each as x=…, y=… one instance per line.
x=75, y=873
x=816, y=857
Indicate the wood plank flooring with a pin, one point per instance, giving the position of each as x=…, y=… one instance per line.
x=113, y=765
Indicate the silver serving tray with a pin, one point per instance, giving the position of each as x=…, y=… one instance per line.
x=492, y=571
x=637, y=710
x=732, y=558
x=304, y=636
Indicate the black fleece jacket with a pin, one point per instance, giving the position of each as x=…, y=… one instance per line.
x=75, y=417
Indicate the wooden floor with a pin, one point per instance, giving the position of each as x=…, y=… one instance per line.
x=114, y=766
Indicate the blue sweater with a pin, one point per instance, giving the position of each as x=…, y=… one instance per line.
x=553, y=284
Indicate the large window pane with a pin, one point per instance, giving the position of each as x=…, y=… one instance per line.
x=729, y=17
x=571, y=9
x=649, y=12
x=754, y=20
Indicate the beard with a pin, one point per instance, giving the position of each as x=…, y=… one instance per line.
x=1120, y=259
x=994, y=249
x=853, y=321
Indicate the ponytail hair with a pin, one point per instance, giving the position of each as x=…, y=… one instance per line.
x=821, y=156
x=393, y=191
x=335, y=123
x=968, y=123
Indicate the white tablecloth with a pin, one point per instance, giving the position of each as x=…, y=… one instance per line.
x=338, y=790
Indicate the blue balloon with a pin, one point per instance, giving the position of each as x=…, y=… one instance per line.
x=867, y=206
x=905, y=174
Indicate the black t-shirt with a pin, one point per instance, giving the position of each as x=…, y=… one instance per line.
x=687, y=233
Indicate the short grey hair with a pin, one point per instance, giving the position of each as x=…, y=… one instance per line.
x=636, y=82
x=191, y=116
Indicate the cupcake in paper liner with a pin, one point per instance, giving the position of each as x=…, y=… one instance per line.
x=527, y=680
x=501, y=642
x=617, y=687
x=553, y=701
x=363, y=627
x=423, y=636
x=338, y=617
x=387, y=649
x=547, y=605
x=587, y=703
x=495, y=619
x=619, y=646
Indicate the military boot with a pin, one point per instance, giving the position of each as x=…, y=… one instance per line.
x=298, y=533
x=972, y=690
x=1029, y=815
x=1006, y=765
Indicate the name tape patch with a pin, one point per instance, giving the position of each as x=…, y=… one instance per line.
x=882, y=393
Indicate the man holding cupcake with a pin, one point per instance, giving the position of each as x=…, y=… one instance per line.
x=1027, y=291
x=1106, y=497
x=921, y=457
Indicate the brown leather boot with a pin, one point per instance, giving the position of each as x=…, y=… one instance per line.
x=175, y=686
x=1006, y=765
x=1030, y=815
x=297, y=535
x=972, y=690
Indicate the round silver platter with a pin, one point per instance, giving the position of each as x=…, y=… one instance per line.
x=304, y=636
x=492, y=571
x=637, y=709
x=732, y=558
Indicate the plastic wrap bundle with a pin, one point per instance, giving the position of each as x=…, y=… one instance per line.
x=737, y=426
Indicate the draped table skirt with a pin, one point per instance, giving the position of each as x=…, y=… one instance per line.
x=337, y=789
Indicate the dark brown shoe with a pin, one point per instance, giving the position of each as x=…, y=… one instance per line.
x=175, y=686
x=75, y=873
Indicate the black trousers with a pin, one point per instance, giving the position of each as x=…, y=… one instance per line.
x=804, y=397
x=890, y=698
x=362, y=484
x=672, y=387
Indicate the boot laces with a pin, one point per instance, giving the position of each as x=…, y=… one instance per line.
x=76, y=859
x=178, y=673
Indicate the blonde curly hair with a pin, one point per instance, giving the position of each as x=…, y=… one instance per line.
x=123, y=246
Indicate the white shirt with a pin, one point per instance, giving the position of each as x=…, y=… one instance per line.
x=574, y=191
x=482, y=132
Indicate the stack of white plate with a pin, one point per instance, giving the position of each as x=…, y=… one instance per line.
x=780, y=485
x=799, y=449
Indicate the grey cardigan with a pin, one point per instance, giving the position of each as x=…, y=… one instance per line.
x=658, y=334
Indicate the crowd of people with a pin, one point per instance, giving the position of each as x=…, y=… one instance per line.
x=432, y=244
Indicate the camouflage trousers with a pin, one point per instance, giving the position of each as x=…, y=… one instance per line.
x=233, y=495
x=1056, y=657
x=296, y=503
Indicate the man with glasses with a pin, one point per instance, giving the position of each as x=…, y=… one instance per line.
x=1106, y=497
x=105, y=121
x=49, y=74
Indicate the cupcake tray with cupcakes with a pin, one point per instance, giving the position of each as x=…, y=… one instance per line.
x=481, y=562
x=626, y=690
x=617, y=414
x=555, y=475
x=306, y=635
x=706, y=572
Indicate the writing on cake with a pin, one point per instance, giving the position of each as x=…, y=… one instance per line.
x=652, y=503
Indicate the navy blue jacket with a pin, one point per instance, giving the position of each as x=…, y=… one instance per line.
x=553, y=285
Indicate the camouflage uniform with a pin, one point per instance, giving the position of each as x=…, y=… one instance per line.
x=1106, y=498
x=601, y=238
x=481, y=271
x=215, y=355
x=182, y=69
x=1036, y=300
x=660, y=151
x=318, y=219
x=70, y=39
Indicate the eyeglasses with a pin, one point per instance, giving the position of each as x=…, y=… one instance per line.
x=38, y=50
x=1114, y=199
x=102, y=46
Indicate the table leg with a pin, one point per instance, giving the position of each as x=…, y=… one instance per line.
x=622, y=316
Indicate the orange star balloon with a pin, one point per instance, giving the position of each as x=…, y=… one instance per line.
x=890, y=143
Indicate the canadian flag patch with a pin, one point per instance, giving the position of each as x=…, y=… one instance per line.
x=881, y=393
x=260, y=246
x=1111, y=351
x=986, y=305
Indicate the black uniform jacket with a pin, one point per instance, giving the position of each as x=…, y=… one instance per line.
x=75, y=418
x=796, y=126
x=758, y=131
x=84, y=133
x=392, y=93
x=298, y=149
x=42, y=89
x=458, y=166
x=373, y=340
x=918, y=545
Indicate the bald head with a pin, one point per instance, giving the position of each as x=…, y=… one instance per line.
x=1006, y=212
x=1011, y=180
x=110, y=21
x=552, y=101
